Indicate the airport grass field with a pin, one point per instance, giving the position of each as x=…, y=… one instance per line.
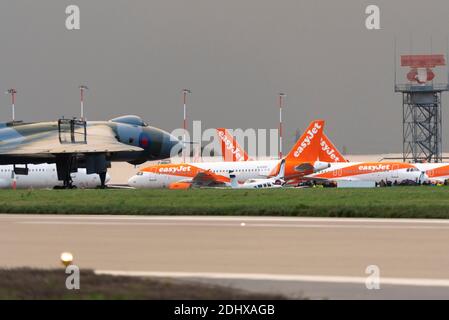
x=395, y=202
x=35, y=284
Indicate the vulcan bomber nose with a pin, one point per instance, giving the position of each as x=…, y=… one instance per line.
x=158, y=144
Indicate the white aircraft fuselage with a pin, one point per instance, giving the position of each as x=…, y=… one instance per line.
x=45, y=176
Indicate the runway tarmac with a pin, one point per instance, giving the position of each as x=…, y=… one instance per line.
x=308, y=257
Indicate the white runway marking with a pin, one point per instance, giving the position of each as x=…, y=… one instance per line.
x=223, y=218
x=279, y=277
x=221, y=221
x=227, y=225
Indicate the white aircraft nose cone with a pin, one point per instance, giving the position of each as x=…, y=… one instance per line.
x=132, y=181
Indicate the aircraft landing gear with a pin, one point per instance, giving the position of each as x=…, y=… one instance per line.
x=94, y=164
x=65, y=166
x=102, y=180
x=98, y=164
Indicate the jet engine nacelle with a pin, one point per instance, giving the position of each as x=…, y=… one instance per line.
x=319, y=165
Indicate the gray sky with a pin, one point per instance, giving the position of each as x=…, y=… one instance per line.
x=234, y=55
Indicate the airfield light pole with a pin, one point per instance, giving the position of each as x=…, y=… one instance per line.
x=82, y=89
x=185, y=92
x=281, y=102
x=13, y=92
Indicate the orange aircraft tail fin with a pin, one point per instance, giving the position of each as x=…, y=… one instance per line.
x=307, y=148
x=230, y=149
x=328, y=152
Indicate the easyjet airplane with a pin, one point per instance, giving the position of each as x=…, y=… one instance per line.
x=371, y=171
x=300, y=161
x=341, y=169
x=377, y=171
x=385, y=170
x=232, y=151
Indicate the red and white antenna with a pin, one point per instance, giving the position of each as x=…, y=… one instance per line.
x=185, y=92
x=281, y=105
x=82, y=89
x=13, y=93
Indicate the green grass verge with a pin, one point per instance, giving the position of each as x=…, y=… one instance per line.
x=32, y=284
x=399, y=202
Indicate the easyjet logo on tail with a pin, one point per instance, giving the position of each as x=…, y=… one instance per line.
x=305, y=152
x=230, y=149
x=329, y=152
x=307, y=139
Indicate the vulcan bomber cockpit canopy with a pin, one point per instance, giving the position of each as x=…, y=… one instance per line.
x=130, y=119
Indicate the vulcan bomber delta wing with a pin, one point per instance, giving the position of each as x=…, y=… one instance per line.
x=75, y=143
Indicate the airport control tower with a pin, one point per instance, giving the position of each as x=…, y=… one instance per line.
x=421, y=108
